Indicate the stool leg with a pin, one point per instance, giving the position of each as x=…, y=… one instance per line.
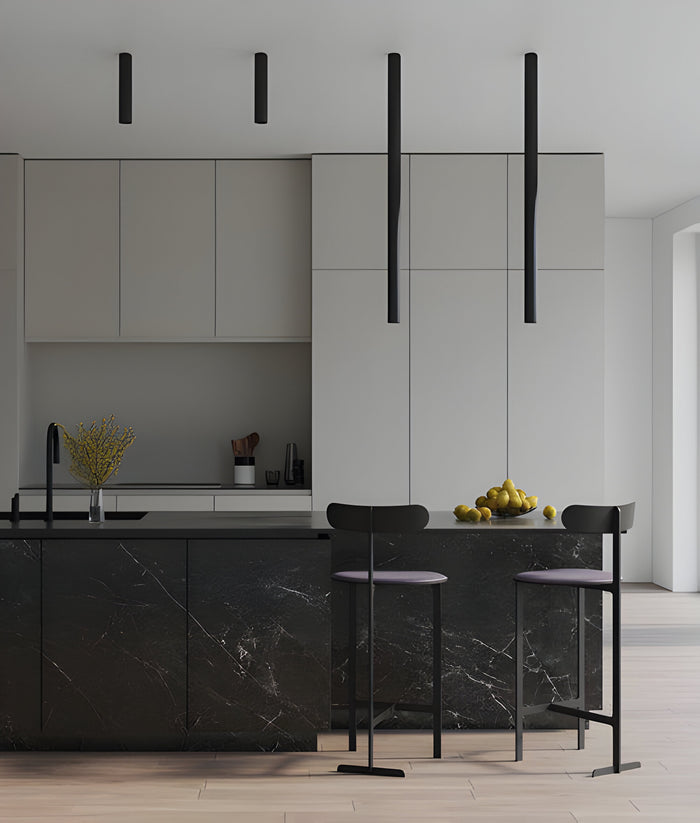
x=581, y=631
x=352, y=668
x=616, y=703
x=437, y=672
x=518, y=672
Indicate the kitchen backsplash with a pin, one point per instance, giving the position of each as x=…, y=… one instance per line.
x=186, y=402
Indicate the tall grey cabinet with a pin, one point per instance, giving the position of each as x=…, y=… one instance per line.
x=360, y=367
x=471, y=394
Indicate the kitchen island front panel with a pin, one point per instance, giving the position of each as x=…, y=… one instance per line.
x=212, y=630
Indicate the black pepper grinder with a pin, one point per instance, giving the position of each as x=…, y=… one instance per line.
x=289, y=460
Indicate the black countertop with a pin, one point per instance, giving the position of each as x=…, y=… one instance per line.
x=281, y=525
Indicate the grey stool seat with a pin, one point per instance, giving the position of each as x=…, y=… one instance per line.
x=590, y=578
x=371, y=520
x=613, y=520
x=397, y=578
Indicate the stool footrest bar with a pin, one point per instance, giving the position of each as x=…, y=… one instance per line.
x=559, y=708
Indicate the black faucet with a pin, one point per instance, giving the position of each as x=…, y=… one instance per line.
x=53, y=455
x=14, y=510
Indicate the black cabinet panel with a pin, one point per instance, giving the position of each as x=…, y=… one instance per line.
x=114, y=642
x=259, y=642
x=20, y=636
x=478, y=625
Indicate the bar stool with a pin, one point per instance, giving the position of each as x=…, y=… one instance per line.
x=373, y=520
x=587, y=520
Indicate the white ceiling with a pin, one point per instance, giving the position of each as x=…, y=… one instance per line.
x=615, y=76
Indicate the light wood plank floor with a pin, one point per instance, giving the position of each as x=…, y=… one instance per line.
x=476, y=780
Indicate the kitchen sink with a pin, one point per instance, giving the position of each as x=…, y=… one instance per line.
x=81, y=515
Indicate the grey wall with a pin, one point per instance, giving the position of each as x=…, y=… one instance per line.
x=11, y=312
x=186, y=402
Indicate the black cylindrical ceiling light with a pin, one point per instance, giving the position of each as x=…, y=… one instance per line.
x=124, y=87
x=530, y=171
x=260, y=87
x=393, y=184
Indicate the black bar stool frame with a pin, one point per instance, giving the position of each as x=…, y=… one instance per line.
x=612, y=520
x=385, y=520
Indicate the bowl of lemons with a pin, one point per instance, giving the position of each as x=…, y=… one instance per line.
x=501, y=501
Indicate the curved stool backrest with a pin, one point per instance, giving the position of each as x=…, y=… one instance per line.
x=601, y=520
x=598, y=519
x=377, y=519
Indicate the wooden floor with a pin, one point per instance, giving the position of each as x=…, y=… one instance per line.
x=476, y=780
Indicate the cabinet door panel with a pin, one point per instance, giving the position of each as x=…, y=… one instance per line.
x=71, y=249
x=167, y=248
x=555, y=388
x=360, y=400
x=263, y=248
x=259, y=641
x=20, y=642
x=458, y=385
x=458, y=211
x=349, y=211
x=114, y=642
x=570, y=211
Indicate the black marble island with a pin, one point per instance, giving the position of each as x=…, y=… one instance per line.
x=221, y=630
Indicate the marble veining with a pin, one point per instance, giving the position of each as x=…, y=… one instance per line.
x=478, y=626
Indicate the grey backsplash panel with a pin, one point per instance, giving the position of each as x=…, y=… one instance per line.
x=186, y=402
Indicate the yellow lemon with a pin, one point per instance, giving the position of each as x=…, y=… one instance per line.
x=480, y=501
x=473, y=515
x=549, y=512
x=485, y=512
x=493, y=491
x=460, y=512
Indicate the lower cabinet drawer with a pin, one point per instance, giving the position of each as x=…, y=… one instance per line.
x=262, y=503
x=165, y=503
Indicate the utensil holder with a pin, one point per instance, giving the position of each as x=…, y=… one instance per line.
x=244, y=472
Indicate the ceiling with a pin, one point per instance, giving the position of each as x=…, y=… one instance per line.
x=615, y=76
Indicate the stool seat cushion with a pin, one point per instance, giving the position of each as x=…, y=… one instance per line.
x=392, y=578
x=566, y=577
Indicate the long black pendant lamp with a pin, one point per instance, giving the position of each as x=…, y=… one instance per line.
x=530, y=167
x=124, y=87
x=260, y=87
x=393, y=184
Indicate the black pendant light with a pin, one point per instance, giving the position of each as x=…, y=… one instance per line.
x=124, y=87
x=530, y=171
x=394, y=184
x=260, y=87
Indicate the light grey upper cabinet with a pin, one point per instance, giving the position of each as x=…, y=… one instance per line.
x=71, y=249
x=459, y=211
x=263, y=248
x=555, y=388
x=570, y=211
x=459, y=385
x=349, y=207
x=360, y=391
x=167, y=248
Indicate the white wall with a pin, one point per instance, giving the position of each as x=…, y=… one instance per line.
x=674, y=525
x=628, y=384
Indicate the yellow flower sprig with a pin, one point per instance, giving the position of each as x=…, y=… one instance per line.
x=97, y=451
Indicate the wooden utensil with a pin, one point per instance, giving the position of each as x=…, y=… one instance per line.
x=245, y=446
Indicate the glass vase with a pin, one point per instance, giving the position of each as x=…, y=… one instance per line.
x=96, y=511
